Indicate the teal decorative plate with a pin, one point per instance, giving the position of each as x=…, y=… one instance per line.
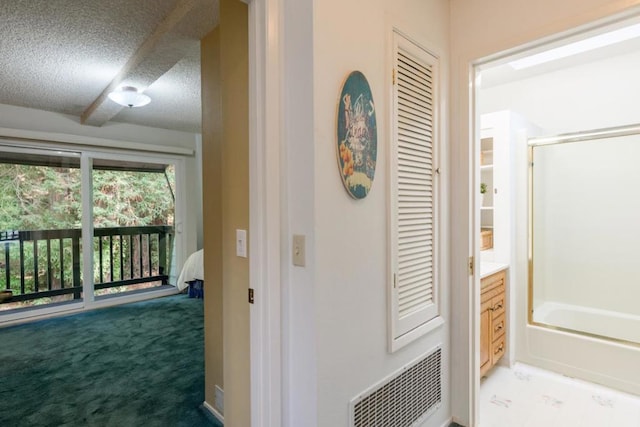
x=357, y=136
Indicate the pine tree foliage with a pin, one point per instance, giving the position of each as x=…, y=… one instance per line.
x=42, y=198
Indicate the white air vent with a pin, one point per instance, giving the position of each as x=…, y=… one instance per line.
x=404, y=399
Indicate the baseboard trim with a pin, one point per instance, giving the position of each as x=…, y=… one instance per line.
x=212, y=411
x=28, y=315
x=36, y=313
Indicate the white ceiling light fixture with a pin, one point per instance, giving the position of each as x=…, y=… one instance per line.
x=129, y=96
x=575, y=48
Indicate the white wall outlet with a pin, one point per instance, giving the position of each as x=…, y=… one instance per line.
x=241, y=243
x=298, y=250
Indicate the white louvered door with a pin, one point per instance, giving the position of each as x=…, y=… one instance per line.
x=413, y=190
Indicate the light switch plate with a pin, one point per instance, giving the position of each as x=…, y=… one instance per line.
x=298, y=250
x=241, y=243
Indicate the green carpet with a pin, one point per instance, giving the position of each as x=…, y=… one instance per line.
x=139, y=364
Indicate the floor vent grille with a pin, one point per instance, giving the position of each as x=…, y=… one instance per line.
x=404, y=399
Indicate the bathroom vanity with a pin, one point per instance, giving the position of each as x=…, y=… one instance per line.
x=493, y=324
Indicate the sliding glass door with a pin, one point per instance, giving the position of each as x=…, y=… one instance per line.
x=79, y=227
x=40, y=228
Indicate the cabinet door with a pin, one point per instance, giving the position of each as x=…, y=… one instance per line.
x=498, y=348
x=498, y=327
x=485, y=338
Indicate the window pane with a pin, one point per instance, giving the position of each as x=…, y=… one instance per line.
x=133, y=218
x=40, y=221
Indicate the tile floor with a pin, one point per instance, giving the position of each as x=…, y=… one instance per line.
x=525, y=396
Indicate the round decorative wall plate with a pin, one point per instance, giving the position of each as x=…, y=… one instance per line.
x=357, y=136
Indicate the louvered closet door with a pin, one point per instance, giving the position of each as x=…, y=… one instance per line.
x=413, y=191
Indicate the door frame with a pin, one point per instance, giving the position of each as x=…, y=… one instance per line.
x=265, y=212
x=468, y=412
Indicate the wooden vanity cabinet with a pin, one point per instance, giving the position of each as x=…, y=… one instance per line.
x=493, y=339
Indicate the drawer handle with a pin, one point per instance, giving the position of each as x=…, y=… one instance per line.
x=499, y=349
x=499, y=327
x=496, y=307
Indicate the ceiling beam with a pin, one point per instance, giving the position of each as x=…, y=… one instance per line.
x=155, y=56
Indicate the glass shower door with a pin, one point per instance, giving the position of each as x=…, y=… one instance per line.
x=585, y=234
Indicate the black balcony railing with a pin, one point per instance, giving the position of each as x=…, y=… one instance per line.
x=47, y=263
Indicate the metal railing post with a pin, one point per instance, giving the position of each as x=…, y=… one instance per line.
x=162, y=254
x=7, y=263
x=75, y=249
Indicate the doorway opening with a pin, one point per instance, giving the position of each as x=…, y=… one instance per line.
x=577, y=85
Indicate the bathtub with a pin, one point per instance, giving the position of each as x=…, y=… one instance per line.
x=603, y=323
x=610, y=362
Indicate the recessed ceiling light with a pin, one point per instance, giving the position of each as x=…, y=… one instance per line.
x=575, y=48
x=129, y=96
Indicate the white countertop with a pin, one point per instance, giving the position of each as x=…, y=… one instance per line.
x=488, y=268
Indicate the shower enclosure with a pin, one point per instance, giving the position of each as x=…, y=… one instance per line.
x=582, y=293
x=584, y=271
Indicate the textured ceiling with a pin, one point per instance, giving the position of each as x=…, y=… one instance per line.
x=60, y=55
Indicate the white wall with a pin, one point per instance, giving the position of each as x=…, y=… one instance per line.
x=47, y=121
x=27, y=122
x=350, y=236
x=482, y=29
x=590, y=96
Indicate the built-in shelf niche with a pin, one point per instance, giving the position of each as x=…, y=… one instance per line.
x=486, y=177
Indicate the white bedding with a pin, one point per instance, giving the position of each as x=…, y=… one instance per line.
x=192, y=269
